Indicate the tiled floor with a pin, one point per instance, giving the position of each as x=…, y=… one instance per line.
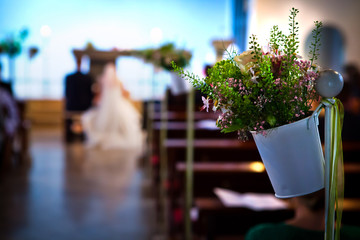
x=70, y=192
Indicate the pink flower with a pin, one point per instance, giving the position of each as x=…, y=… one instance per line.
x=206, y=102
x=277, y=81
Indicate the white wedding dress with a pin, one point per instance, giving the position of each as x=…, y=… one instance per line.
x=114, y=123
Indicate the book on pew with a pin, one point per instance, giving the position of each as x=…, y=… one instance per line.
x=253, y=201
x=208, y=124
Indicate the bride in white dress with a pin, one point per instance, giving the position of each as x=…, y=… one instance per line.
x=114, y=123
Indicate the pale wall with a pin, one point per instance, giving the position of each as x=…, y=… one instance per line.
x=344, y=15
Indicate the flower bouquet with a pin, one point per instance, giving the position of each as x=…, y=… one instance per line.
x=164, y=55
x=269, y=92
x=261, y=88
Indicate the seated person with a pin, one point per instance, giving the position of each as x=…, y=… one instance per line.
x=308, y=222
x=9, y=123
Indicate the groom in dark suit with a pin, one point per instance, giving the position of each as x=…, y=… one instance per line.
x=78, y=90
x=78, y=98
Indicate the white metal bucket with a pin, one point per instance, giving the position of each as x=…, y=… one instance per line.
x=293, y=157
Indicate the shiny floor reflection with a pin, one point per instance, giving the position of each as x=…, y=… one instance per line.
x=70, y=192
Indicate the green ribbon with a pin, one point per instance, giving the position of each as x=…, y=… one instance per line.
x=337, y=162
x=336, y=182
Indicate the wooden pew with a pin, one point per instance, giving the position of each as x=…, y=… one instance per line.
x=213, y=149
x=177, y=130
x=182, y=116
x=176, y=127
x=248, y=177
x=242, y=178
x=202, y=129
x=239, y=176
x=215, y=219
x=230, y=149
x=209, y=150
x=206, y=150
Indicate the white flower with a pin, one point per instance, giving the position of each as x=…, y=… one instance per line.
x=244, y=59
x=317, y=68
x=216, y=105
x=206, y=103
x=224, y=110
x=253, y=78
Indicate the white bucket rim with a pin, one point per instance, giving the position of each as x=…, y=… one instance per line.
x=282, y=126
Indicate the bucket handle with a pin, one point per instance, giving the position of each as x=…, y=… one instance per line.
x=315, y=115
x=317, y=111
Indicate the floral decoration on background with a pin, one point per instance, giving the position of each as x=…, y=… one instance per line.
x=12, y=44
x=163, y=56
x=264, y=87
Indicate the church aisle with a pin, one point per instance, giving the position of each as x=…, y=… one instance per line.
x=74, y=193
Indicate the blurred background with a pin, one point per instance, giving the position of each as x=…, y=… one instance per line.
x=56, y=183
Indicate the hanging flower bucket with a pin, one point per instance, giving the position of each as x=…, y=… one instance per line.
x=293, y=157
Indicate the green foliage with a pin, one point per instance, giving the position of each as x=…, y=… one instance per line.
x=315, y=44
x=277, y=38
x=291, y=44
x=255, y=48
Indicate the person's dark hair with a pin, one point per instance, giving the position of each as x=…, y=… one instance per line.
x=314, y=201
x=207, y=67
